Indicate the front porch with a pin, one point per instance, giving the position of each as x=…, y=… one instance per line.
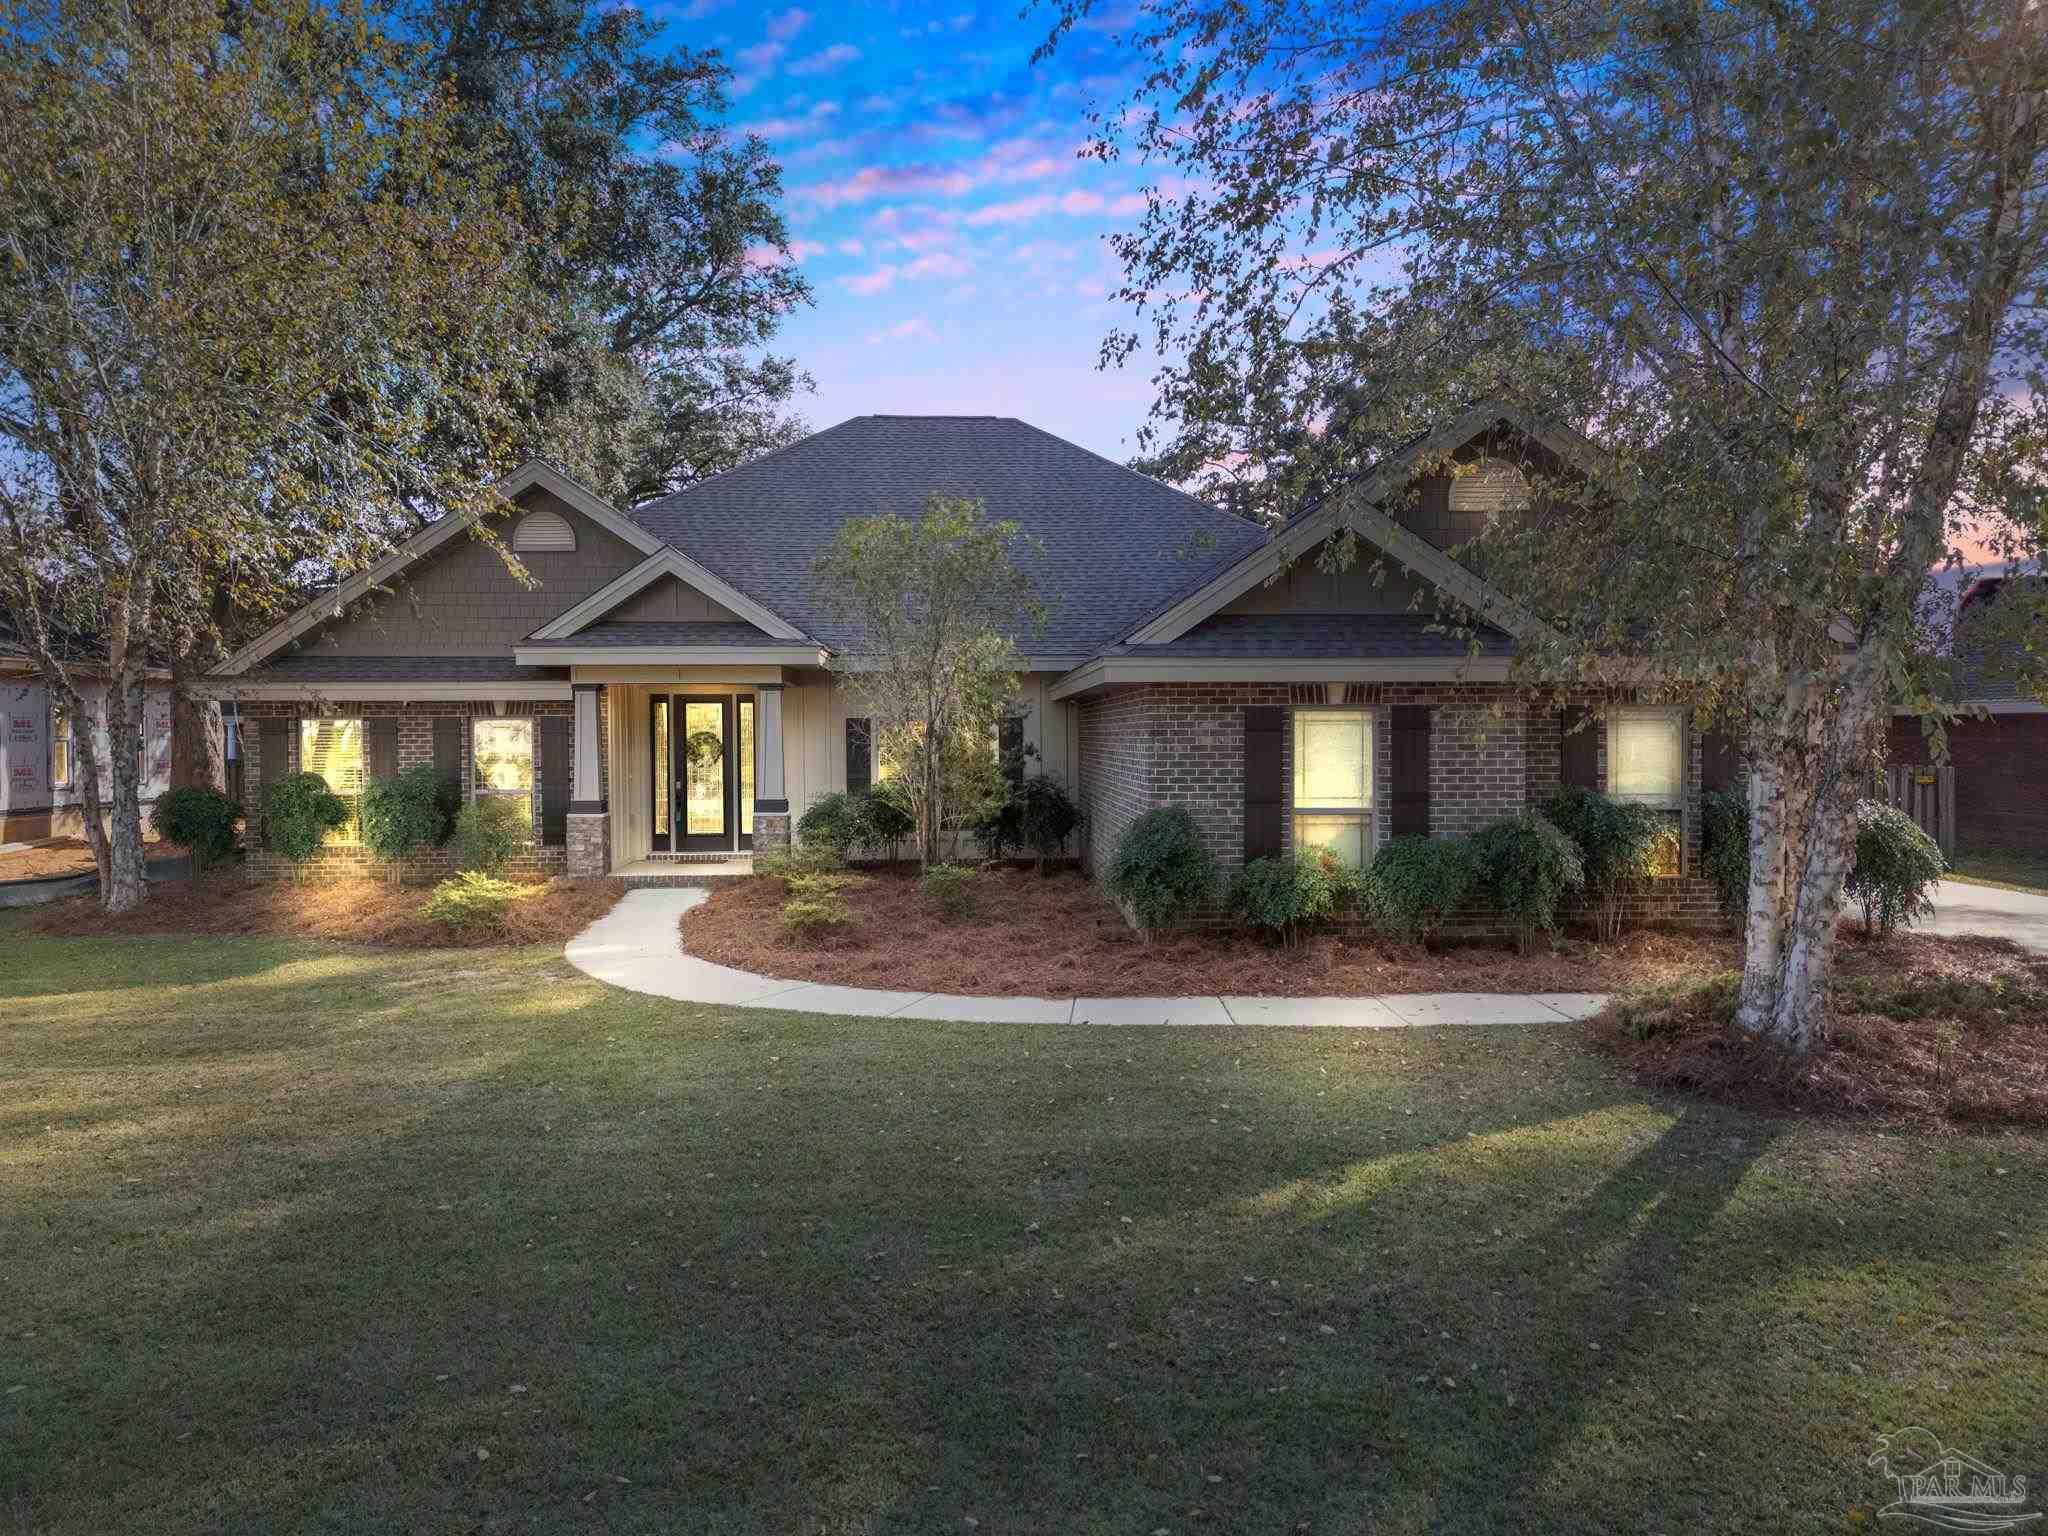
x=689, y=869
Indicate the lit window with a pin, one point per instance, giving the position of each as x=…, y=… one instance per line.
x=334, y=750
x=1646, y=764
x=502, y=754
x=60, y=746
x=1333, y=783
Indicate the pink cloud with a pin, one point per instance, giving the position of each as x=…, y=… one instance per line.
x=934, y=264
x=826, y=60
x=867, y=284
x=1074, y=204
x=783, y=25
x=916, y=328
x=1012, y=161
x=795, y=127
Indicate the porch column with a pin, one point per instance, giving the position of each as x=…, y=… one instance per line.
x=589, y=821
x=771, y=798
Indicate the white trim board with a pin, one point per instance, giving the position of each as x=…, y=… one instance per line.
x=1357, y=508
x=665, y=561
x=559, y=655
x=230, y=690
x=331, y=605
x=1111, y=670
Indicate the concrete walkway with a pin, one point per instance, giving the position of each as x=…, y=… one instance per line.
x=636, y=946
x=1961, y=907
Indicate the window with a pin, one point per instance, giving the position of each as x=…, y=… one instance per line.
x=544, y=532
x=502, y=754
x=60, y=746
x=1646, y=764
x=1333, y=783
x=334, y=750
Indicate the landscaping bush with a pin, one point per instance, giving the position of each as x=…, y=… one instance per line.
x=299, y=810
x=199, y=820
x=1724, y=848
x=474, y=899
x=1162, y=871
x=788, y=864
x=1897, y=867
x=490, y=831
x=404, y=814
x=815, y=887
x=1047, y=818
x=951, y=889
x=885, y=809
x=1284, y=895
x=1000, y=830
x=1616, y=840
x=1414, y=883
x=838, y=822
x=810, y=918
x=1528, y=867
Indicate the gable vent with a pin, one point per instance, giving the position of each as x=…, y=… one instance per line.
x=1310, y=694
x=541, y=532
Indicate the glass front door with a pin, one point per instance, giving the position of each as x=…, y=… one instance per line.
x=704, y=776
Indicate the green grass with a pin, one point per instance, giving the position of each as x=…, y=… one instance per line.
x=290, y=1234
x=2016, y=869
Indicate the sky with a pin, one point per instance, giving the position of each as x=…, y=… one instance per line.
x=954, y=241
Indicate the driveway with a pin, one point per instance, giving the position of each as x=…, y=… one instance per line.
x=1960, y=907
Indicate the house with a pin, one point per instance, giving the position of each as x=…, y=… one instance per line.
x=1996, y=750
x=661, y=694
x=40, y=790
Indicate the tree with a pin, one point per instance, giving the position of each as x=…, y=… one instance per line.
x=1783, y=262
x=670, y=256
x=236, y=269
x=937, y=605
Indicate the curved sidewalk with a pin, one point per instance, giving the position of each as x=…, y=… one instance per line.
x=636, y=946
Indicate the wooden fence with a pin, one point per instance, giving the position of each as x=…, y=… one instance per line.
x=1928, y=795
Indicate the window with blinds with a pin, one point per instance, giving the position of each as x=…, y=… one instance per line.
x=1646, y=764
x=501, y=752
x=334, y=750
x=1333, y=783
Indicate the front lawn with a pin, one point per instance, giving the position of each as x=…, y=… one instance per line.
x=302, y=1238
x=2015, y=869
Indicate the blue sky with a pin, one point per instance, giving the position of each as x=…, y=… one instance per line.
x=937, y=206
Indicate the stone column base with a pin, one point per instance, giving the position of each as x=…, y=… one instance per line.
x=771, y=830
x=590, y=845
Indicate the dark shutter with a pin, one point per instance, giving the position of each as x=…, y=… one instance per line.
x=1721, y=765
x=1264, y=779
x=1408, y=789
x=860, y=762
x=1578, y=749
x=554, y=781
x=273, y=759
x=448, y=752
x=380, y=748
x=1010, y=750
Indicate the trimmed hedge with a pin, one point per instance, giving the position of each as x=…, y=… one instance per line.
x=1162, y=871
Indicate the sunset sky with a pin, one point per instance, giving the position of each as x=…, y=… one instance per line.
x=936, y=204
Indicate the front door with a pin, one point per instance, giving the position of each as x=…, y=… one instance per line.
x=707, y=789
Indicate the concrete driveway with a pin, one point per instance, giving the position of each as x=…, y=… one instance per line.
x=1960, y=907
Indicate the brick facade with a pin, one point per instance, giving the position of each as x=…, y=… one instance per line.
x=1493, y=752
x=415, y=746
x=2001, y=776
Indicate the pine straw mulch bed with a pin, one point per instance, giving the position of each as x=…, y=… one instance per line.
x=49, y=857
x=1941, y=1033
x=1055, y=936
x=342, y=911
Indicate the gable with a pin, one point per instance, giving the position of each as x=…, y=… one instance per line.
x=1304, y=587
x=670, y=599
x=460, y=600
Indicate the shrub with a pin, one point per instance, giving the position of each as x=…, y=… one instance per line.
x=1528, y=867
x=491, y=830
x=199, y=820
x=474, y=899
x=950, y=888
x=1616, y=840
x=299, y=811
x=1897, y=866
x=1162, y=870
x=813, y=887
x=788, y=864
x=1047, y=817
x=812, y=917
x=886, y=810
x=1724, y=848
x=1414, y=883
x=837, y=822
x=403, y=814
x=1282, y=895
x=1000, y=830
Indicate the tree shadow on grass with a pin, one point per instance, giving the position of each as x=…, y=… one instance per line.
x=685, y=1268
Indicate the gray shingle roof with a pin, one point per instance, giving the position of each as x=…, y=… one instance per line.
x=401, y=669
x=652, y=632
x=1322, y=637
x=1118, y=546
